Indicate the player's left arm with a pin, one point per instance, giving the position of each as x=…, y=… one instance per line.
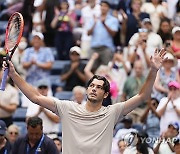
x=145, y=92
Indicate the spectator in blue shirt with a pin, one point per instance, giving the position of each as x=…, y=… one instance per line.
x=37, y=60
x=103, y=29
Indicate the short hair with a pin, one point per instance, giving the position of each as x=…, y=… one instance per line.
x=13, y=126
x=80, y=89
x=133, y=1
x=57, y=139
x=106, y=85
x=155, y=99
x=34, y=122
x=106, y=2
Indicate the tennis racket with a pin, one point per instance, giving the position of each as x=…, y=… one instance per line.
x=14, y=32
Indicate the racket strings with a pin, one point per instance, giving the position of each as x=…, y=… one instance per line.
x=14, y=31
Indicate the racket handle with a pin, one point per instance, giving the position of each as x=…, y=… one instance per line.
x=4, y=78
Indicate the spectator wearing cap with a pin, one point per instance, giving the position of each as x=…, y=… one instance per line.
x=175, y=44
x=63, y=22
x=5, y=147
x=169, y=107
x=50, y=119
x=164, y=144
x=37, y=60
x=167, y=73
x=134, y=18
x=37, y=19
x=73, y=73
x=143, y=43
x=102, y=30
x=9, y=100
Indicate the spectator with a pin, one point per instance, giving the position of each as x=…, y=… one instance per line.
x=166, y=74
x=137, y=144
x=151, y=120
x=121, y=129
x=18, y=56
x=50, y=120
x=5, y=146
x=139, y=50
x=37, y=60
x=49, y=32
x=127, y=127
x=177, y=145
x=79, y=94
x=58, y=143
x=169, y=107
x=35, y=140
x=9, y=100
x=165, y=142
x=165, y=30
x=119, y=66
x=27, y=13
x=175, y=45
x=12, y=133
x=105, y=26
x=87, y=14
x=63, y=22
x=122, y=146
x=131, y=88
x=73, y=73
x=134, y=18
x=176, y=17
x=38, y=16
x=144, y=43
x=156, y=10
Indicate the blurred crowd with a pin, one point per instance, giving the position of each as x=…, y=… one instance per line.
x=113, y=38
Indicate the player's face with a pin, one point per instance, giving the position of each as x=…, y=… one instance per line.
x=95, y=91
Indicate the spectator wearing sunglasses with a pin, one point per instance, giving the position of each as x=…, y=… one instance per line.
x=50, y=120
x=169, y=107
x=12, y=133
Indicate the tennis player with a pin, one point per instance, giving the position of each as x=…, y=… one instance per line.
x=88, y=128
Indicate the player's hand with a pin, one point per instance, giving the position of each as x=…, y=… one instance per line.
x=9, y=64
x=157, y=59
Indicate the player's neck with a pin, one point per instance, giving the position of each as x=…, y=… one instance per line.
x=93, y=107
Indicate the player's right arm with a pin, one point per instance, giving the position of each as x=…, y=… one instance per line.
x=29, y=90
